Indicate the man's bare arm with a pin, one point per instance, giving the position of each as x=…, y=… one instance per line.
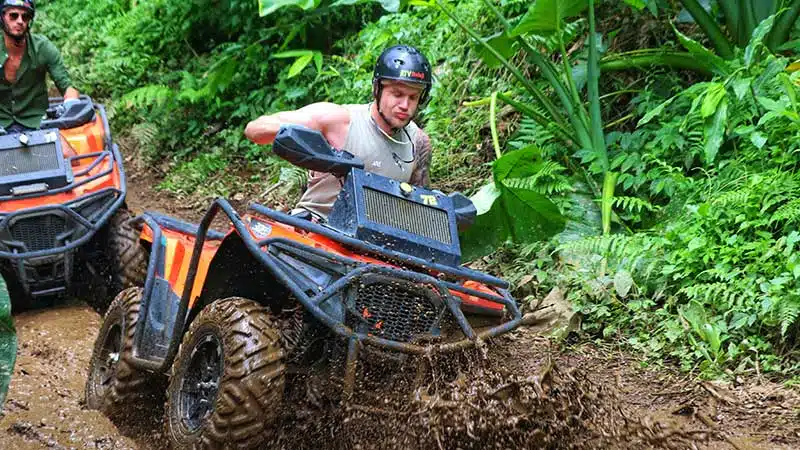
x=422, y=170
x=325, y=117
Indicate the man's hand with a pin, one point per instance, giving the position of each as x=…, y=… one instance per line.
x=70, y=98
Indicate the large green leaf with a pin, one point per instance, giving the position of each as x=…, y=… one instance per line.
x=501, y=43
x=8, y=342
x=757, y=39
x=547, y=16
x=517, y=164
x=702, y=54
x=714, y=94
x=509, y=213
x=304, y=58
x=267, y=7
x=715, y=130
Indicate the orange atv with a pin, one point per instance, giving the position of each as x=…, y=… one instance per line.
x=62, y=210
x=227, y=316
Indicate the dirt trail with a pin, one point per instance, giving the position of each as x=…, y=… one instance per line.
x=522, y=393
x=43, y=409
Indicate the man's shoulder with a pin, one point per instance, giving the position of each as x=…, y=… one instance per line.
x=41, y=42
x=40, y=39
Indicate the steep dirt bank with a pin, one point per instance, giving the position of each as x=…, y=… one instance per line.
x=524, y=393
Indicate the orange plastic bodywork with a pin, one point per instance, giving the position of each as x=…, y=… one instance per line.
x=179, y=247
x=83, y=140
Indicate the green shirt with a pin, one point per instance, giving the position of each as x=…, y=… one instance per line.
x=26, y=101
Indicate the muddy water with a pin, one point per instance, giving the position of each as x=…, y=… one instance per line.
x=43, y=408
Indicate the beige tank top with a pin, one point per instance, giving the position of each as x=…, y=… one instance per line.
x=379, y=154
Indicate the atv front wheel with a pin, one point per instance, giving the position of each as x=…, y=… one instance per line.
x=227, y=381
x=112, y=379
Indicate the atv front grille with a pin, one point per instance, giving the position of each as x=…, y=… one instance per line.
x=397, y=310
x=33, y=158
x=411, y=217
x=39, y=232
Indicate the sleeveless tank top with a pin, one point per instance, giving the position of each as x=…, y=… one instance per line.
x=379, y=154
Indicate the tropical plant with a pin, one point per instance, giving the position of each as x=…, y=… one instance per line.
x=543, y=29
x=743, y=18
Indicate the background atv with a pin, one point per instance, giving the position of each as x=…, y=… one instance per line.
x=63, y=220
x=229, y=315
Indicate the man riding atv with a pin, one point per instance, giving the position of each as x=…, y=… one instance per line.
x=23, y=92
x=381, y=133
x=63, y=220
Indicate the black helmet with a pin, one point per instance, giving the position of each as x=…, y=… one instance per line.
x=30, y=5
x=402, y=63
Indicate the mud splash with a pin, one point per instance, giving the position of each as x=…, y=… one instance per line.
x=472, y=401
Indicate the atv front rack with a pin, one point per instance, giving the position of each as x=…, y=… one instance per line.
x=17, y=252
x=354, y=270
x=112, y=155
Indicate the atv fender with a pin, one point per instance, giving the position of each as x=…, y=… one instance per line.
x=235, y=272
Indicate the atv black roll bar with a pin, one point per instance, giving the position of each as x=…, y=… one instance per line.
x=312, y=303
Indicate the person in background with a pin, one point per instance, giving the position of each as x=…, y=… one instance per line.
x=26, y=58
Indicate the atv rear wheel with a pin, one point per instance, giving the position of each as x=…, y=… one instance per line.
x=112, y=379
x=227, y=382
x=126, y=261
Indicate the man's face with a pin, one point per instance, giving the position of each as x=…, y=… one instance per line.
x=399, y=102
x=17, y=20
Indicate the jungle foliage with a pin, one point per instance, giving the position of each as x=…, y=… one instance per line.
x=666, y=202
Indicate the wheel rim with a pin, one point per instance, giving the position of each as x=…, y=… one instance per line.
x=200, y=382
x=106, y=366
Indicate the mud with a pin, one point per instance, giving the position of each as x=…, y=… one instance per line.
x=518, y=392
x=43, y=408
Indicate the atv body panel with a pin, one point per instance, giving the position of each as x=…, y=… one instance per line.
x=59, y=185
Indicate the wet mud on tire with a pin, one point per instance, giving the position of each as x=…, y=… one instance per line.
x=227, y=380
x=112, y=381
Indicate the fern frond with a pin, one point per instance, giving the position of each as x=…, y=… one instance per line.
x=788, y=312
x=154, y=94
x=732, y=198
x=633, y=204
x=789, y=212
x=293, y=176
x=721, y=294
x=144, y=133
x=547, y=180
